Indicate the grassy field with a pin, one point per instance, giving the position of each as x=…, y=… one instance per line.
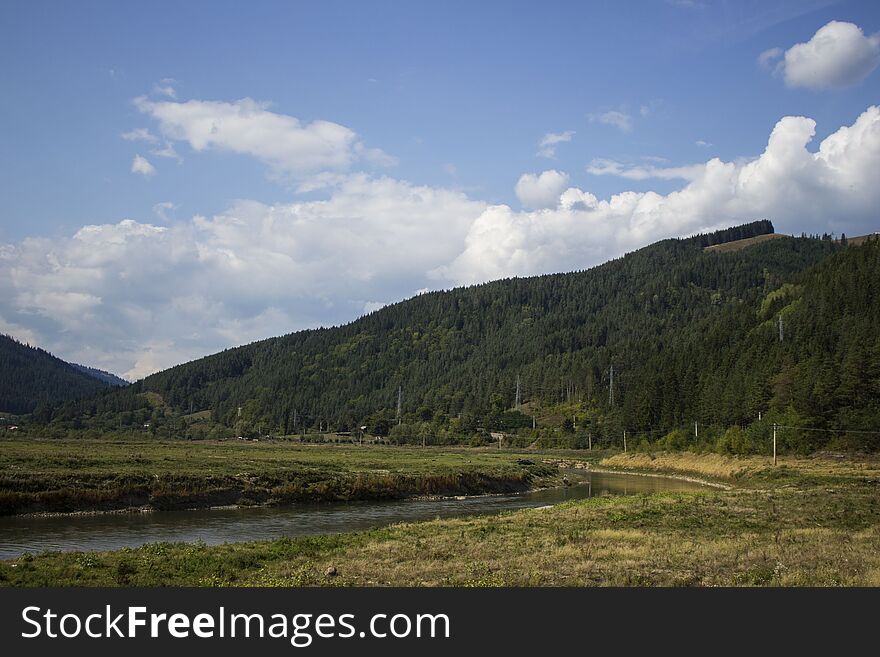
x=737, y=245
x=85, y=475
x=807, y=522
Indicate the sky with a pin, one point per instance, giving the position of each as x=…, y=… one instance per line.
x=179, y=178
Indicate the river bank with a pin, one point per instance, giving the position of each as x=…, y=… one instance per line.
x=806, y=522
x=80, y=476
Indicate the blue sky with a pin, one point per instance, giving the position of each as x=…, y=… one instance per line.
x=446, y=101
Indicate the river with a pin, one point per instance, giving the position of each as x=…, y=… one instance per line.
x=19, y=534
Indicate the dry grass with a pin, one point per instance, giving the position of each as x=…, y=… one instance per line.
x=742, y=244
x=748, y=469
x=713, y=466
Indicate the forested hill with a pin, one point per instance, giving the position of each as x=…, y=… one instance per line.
x=693, y=336
x=102, y=375
x=29, y=375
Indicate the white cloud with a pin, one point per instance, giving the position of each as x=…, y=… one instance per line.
x=601, y=167
x=548, y=143
x=144, y=135
x=619, y=120
x=148, y=296
x=164, y=88
x=540, y=190
x=140, y=134
x=142, y=166
x=703, y=144
x=289, y=147
x=832, y=189
x=167, y=151
x=153, y=296
x=769, y=59
x=162, y=209
x=839, y=55
x=21, y=333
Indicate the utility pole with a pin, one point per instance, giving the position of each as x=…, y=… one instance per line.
x=774, y=443
x=399, y=403
x=294, y=420
x=780, y=328
x=624, y=441
x=611, y=387
x=533, y=422
x=696, y=432
x=590, y=441
x=518, y=398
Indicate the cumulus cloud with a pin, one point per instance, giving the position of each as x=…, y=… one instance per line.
x=288, y=146
x=155, y=295
x=549, y=142
x=540, y=190
x=619, y=120
x=133, y=297
x=839, y=55
x=142, y=166
x=831, y=189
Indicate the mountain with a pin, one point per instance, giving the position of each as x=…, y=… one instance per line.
x=30, y=376
x=107, y=377
x=692, y=334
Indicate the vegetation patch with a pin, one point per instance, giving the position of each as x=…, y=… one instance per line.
x=798, y=533
x=104, y=475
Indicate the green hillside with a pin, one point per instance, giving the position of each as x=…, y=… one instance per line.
x=29, y=376
x=692, y=336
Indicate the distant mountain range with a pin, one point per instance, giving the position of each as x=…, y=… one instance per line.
x=107, y=377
